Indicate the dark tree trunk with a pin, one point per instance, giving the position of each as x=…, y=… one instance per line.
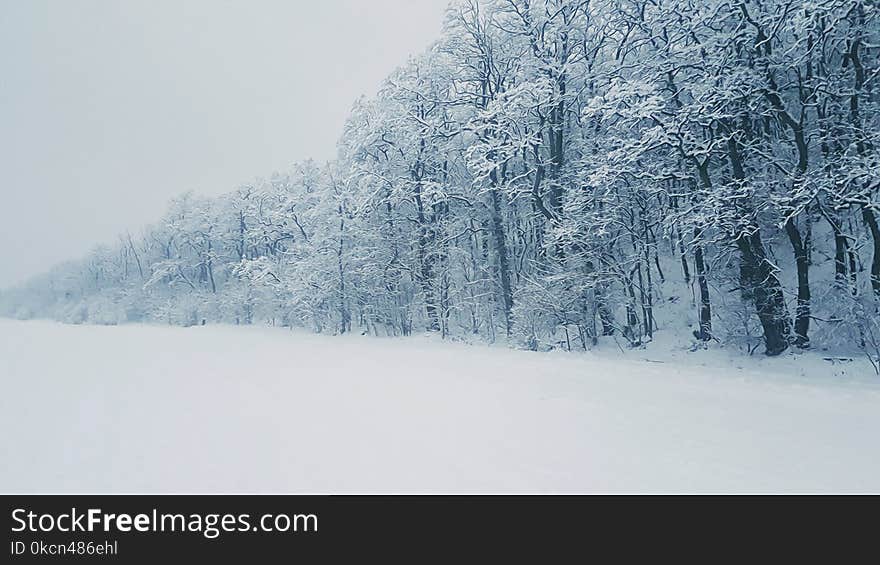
x=841, y=248
x=344, y=314
x=503, y=257
x=762, y=286
x=862, y=145
x=759, y=275
x=801, y=253
x=632, y=319
x=705, y=331
x=871, y=221
x=684, y=262
x=802, y=313
x=646, y=300
x=426, y=260
x=678, y=239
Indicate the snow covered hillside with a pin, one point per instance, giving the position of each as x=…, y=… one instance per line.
x=219, y=408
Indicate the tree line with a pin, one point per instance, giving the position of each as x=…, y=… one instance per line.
x=554, y=173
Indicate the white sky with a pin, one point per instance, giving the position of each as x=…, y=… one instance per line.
x=110, y=108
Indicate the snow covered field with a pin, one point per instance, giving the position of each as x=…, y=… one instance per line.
x=233, y=409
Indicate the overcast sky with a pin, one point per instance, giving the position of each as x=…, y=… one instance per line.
x=110, y=108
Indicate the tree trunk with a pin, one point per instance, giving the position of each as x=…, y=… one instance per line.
x=684, y=262
x=426, y=266
x=871, y=221
x=501, y=249
x=762, y=286
x=841, y=247
x=705, y=331
x=759, y=274
x=802, y=313
x=344, y=314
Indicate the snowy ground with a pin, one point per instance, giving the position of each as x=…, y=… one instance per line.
x=226, y=409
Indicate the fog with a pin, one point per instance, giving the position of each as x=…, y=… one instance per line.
x=109, y=109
